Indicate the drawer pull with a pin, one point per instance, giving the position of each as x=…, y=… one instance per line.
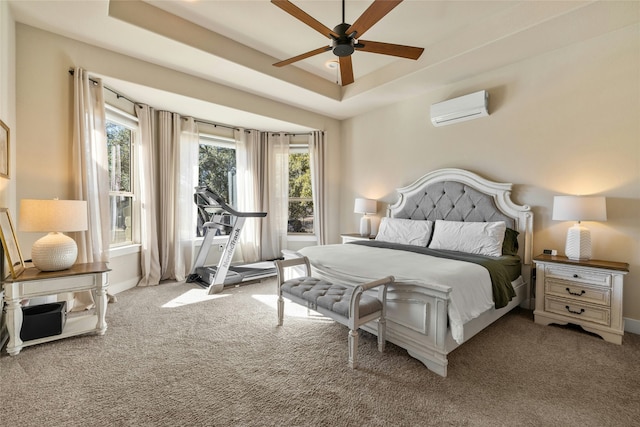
x=575, y=276
x=574, y=312
x=578, y=294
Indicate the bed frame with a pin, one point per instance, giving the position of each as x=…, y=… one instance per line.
x=417, y=315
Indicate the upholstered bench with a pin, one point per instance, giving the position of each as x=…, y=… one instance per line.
x=347, y=305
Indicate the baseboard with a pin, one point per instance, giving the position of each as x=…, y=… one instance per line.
x=632, y=325
x=123, y=286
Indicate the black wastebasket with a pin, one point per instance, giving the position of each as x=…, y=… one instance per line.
x=43, y=320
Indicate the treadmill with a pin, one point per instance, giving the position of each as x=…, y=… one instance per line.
x=215, y=218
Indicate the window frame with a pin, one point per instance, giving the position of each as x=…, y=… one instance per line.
x=298, y=148
x=115, y=115
x=205, y=138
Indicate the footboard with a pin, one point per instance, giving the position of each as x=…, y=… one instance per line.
x=417, y=322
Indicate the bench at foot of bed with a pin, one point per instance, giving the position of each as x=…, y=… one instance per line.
x=344, y=304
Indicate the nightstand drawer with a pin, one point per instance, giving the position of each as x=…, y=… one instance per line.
x=582, y=275
x=578, y=291
x=584, y=312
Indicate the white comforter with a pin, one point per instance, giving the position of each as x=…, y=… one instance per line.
x=470, y=284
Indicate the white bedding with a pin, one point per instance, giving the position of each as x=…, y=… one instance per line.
x=470, y=284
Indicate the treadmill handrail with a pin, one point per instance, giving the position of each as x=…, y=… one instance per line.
x=208, y=193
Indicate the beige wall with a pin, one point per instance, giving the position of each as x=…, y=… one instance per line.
x=44, y=121
x=563, y=123
x=8, y=101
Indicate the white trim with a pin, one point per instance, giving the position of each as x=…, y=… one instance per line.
x=216, y=140
x=118, y=251
x=632, y=325
x=301, y=237
x=119, y=116
x=115, y=288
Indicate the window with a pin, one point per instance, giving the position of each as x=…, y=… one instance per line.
x=300, y=198
x=121, y=128
x=217, y=171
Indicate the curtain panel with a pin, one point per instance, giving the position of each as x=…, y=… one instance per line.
x=90, y=173
x=185, y=210
x=250, y=167
x=317, y=156
x=146, y=189
x=276, y=195
x=168, y=175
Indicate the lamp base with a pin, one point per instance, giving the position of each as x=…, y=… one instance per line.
x=53, y=252
x=578, y=245
x=365, y=226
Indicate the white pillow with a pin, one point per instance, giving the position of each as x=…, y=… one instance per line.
x=404, y=231
x=483, y=238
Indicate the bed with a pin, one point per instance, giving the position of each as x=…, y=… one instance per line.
x=444, y=293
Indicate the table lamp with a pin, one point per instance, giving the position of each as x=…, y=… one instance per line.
x=579, y=208
x=55, y=251
x=365, y=206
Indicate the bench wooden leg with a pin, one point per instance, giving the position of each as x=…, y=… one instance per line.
x=353, y=349
x=280, y=310
x=382, y=332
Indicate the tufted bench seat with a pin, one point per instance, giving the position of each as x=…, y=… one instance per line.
x=347, y=305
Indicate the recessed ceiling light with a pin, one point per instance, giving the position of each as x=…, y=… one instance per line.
x=331, y=64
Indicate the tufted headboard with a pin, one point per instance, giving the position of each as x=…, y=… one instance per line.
x=460, y=195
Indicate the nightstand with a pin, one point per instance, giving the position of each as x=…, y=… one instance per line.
x=586, y=293
x=350, y=237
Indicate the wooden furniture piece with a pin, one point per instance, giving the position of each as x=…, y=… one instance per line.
x=346, y=305
x=350, y=237
x=585, y=293
x=35, y=283
x=417, y=311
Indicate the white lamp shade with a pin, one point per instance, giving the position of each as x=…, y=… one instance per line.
x=52, y=215
x=55, y=251
x=365, y=206
x=579, y=208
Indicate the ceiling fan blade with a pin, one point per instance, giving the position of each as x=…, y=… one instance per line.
x=375, y=12
x=402, y=51
x=303, y=16
x=303, y=56
x=346, y=70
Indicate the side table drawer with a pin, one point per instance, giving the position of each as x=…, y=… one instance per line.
x=578, y=275
x=579, y=292
x=58, y=285
x=577, y=310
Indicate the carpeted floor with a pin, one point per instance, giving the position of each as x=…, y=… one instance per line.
x=224, y=362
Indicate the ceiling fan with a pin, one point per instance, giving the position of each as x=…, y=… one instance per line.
x=345, y=38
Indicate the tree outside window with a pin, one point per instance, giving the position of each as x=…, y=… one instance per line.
x=300, y=195
x=119, y=151
x=216, y=171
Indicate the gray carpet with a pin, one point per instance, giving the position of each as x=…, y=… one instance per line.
x=224, y=362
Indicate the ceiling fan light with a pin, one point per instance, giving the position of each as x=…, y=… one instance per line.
x=343, y=49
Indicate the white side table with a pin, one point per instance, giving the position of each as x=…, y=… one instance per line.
x=350, y=237
x=35, y=283
x=586, y=293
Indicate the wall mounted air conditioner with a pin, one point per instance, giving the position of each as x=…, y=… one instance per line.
x=459, y=109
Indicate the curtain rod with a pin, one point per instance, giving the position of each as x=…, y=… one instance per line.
x=116, y=93
x=119, y=95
